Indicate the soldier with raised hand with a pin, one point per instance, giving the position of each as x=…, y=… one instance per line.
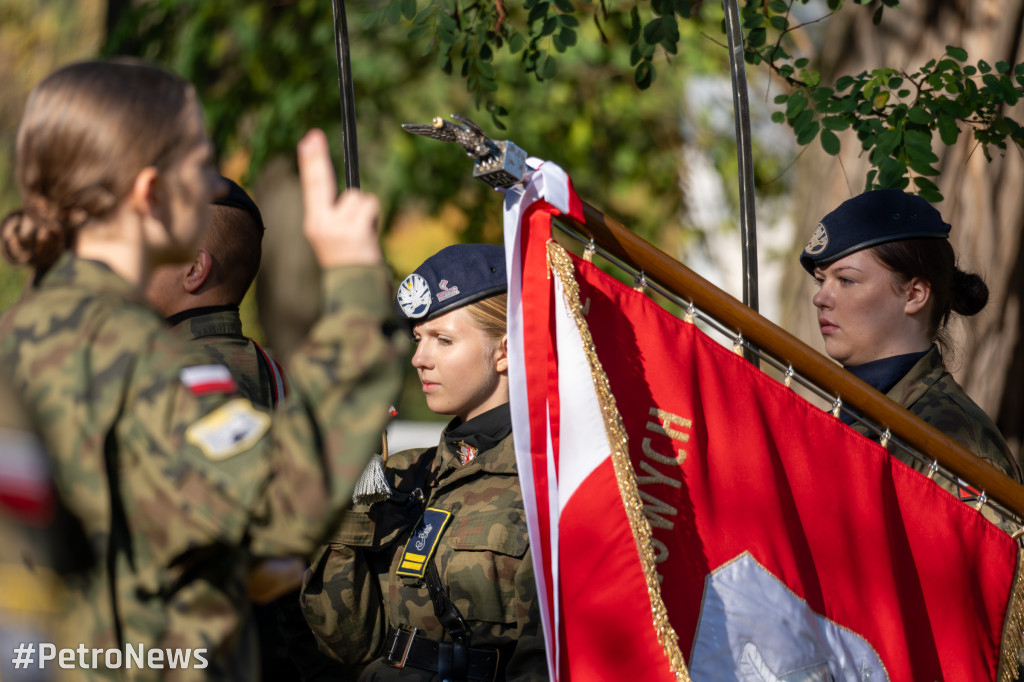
x=435, y=581
x=176, y=478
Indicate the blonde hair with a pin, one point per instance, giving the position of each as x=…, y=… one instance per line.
x=88, y=130
x=489, y=314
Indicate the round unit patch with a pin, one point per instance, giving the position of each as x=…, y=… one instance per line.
x=414, y=296
x=819, y=241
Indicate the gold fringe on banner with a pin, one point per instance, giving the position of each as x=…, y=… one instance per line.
x=561, y=264
x=1013, y=628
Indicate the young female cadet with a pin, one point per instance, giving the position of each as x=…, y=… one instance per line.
x=887, y=285
x=176, y=478
x=436, y=582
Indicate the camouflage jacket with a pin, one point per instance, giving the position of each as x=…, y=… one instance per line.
x=40, y=544
x=352, y=594
x=930, y=392
x=219, y=334
x=175, y=477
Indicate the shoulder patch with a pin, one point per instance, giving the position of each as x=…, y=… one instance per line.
x=230, y=429
x=203, y=379
x=420, y=548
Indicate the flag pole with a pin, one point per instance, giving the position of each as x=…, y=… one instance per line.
x=675, y=277
x=501, y=164
x=744, y=152
x=348, y=100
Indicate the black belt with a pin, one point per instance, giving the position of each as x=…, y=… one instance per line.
x=406, y=647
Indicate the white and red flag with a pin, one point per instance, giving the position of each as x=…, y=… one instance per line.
x=692, y=518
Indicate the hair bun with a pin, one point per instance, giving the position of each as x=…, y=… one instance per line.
x=970, y=293
x=25, y=240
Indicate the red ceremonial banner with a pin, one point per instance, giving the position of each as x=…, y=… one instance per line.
x=741, y=533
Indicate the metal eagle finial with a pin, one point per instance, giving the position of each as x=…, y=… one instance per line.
x=498, y=163
x=468, y=135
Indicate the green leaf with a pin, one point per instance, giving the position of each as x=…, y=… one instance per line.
x=983, y=66
x=822, y=93
x=829, y=142
x=550, y=24
x=757, y=37
x=655, y=30
x=1002, y=67
x=887, y=142
x=796, y=104
x=409, y=9
x=948, y=130
x=394, y=13
x=919, y=115
x=921, y=166
x=565, y=6
x=419, y=30
x=644, y=75
x=754, y=20
x=568, y=37
x=805, y=127
x=843, y=83
x=957, y=53
x=548, y=68
x=891, y=174
x=778, y=117
x=927, y=190
x=835, y=123
x=778, y=6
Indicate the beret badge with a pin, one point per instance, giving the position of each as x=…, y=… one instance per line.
x=818, y=242
x=414, y=296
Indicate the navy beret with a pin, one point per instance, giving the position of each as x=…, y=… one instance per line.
x=872, y=218
x=239, y=198
x=453, y=277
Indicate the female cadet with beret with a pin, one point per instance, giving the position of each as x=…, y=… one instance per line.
x=177, y=479
x=436, y=582
x=887, y=284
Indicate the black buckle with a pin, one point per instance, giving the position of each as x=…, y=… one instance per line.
x=390, y=658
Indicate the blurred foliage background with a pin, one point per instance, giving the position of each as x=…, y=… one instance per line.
x=266, y=73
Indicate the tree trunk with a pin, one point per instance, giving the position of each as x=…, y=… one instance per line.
x=984, y=201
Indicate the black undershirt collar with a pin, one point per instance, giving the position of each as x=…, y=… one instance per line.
x=482, y=432
x=883, y=374
x=177, y=318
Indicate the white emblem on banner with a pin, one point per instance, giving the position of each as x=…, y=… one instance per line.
x=753, y=627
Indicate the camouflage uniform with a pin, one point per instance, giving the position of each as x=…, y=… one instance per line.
x=286, y=646
x=218, y=331
x=177, y=481
x=353, y=596
x=930, y=392
x=43, y=545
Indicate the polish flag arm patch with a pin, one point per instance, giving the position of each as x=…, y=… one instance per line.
x=204, y=379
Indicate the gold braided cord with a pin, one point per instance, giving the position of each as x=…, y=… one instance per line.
x=560, y=262
x=1013, y=628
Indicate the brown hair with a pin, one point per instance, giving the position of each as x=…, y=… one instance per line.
x=490, y=315
x=235, y=241
x=933, y=260
x=88, y=130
